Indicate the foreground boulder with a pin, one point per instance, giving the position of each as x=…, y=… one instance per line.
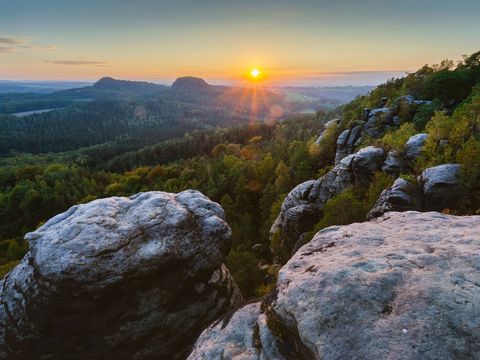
x=404, y=286
x=119, y=278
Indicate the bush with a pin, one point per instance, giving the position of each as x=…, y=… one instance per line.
x=395, y=140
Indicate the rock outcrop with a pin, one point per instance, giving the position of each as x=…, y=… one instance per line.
x=303, y=206
x=394, y=163
x=404, y=286
x=346, y=142
x=414, y=145
x=438, y=188
x=119, y=278
x=441, y=187
x=190, y=83
x=401, y=196
x=327, y=127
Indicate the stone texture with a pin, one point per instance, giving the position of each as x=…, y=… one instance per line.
x=401, y=196
x=328, y=125
x=303, y=206
x=441, y=187
x=244, y=335
x=134, y=278
x=414, y=145
x=346, y=142
x=401, y=287
x=394, y=163
x=377, y=120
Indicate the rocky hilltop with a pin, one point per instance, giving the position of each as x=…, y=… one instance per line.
x=142, y=277
x=403, y=286
x=190, y=83
x=120, y=278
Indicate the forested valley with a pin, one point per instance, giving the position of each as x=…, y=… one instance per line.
x=119, y=147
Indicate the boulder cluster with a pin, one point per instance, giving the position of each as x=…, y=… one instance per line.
x=436, y=189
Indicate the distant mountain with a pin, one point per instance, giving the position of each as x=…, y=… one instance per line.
x=139, y=87
x=190, y=83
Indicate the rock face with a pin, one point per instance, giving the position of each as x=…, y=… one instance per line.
x=438, y=188
x=402, y=196
x=414, y=145
x=394, y=164
x=404, y=286
x=303, y=206
x=441, y=187
x=329, y=125
x=377, y=120
x=134, y=278
x=346, y=142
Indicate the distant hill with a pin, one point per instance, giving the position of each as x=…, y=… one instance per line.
x=190, y=83
x=139, y=87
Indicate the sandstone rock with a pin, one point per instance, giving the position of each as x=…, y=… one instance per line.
x=244, y=335
x=403, y=286
x=402, y=196
x=365, y=163
x=377, y=120
x=346, y=142
x=134, y=278
x=303, y=206
x=441, y=187
x=414, y=145
x=328, y=125
x=394, y=163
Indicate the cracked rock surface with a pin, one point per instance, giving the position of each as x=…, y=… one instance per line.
x=405, y=286
x=124, y=278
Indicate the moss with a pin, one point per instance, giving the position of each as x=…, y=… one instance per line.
x=6, y=268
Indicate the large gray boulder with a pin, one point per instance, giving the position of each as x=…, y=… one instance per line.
x=303, y=206
x=119, y=278
x=401, y=196
x=414, y=145
x=404, y=286
x=441, y=187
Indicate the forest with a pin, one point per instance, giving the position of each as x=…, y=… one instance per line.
x=55, y=160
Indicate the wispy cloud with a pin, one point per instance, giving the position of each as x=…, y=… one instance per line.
x=78, y=62
x=7, y=50
x=9, y=44
x=12, y=40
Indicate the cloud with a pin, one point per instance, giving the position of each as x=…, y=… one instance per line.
x=14, y=44
x=78, y=62
x=12, y=41
x=7, y=50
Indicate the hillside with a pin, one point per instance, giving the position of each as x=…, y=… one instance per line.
x=251, y=169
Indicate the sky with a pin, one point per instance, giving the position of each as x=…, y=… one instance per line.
x=301, y=42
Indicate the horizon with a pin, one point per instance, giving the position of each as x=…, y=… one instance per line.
x=309, y=43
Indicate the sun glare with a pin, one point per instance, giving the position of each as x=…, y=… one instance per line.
x=254, y=73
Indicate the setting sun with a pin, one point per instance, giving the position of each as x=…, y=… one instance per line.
x=255, y=73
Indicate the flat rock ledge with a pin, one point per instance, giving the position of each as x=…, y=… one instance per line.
x=119, y=278
x=401, y=287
